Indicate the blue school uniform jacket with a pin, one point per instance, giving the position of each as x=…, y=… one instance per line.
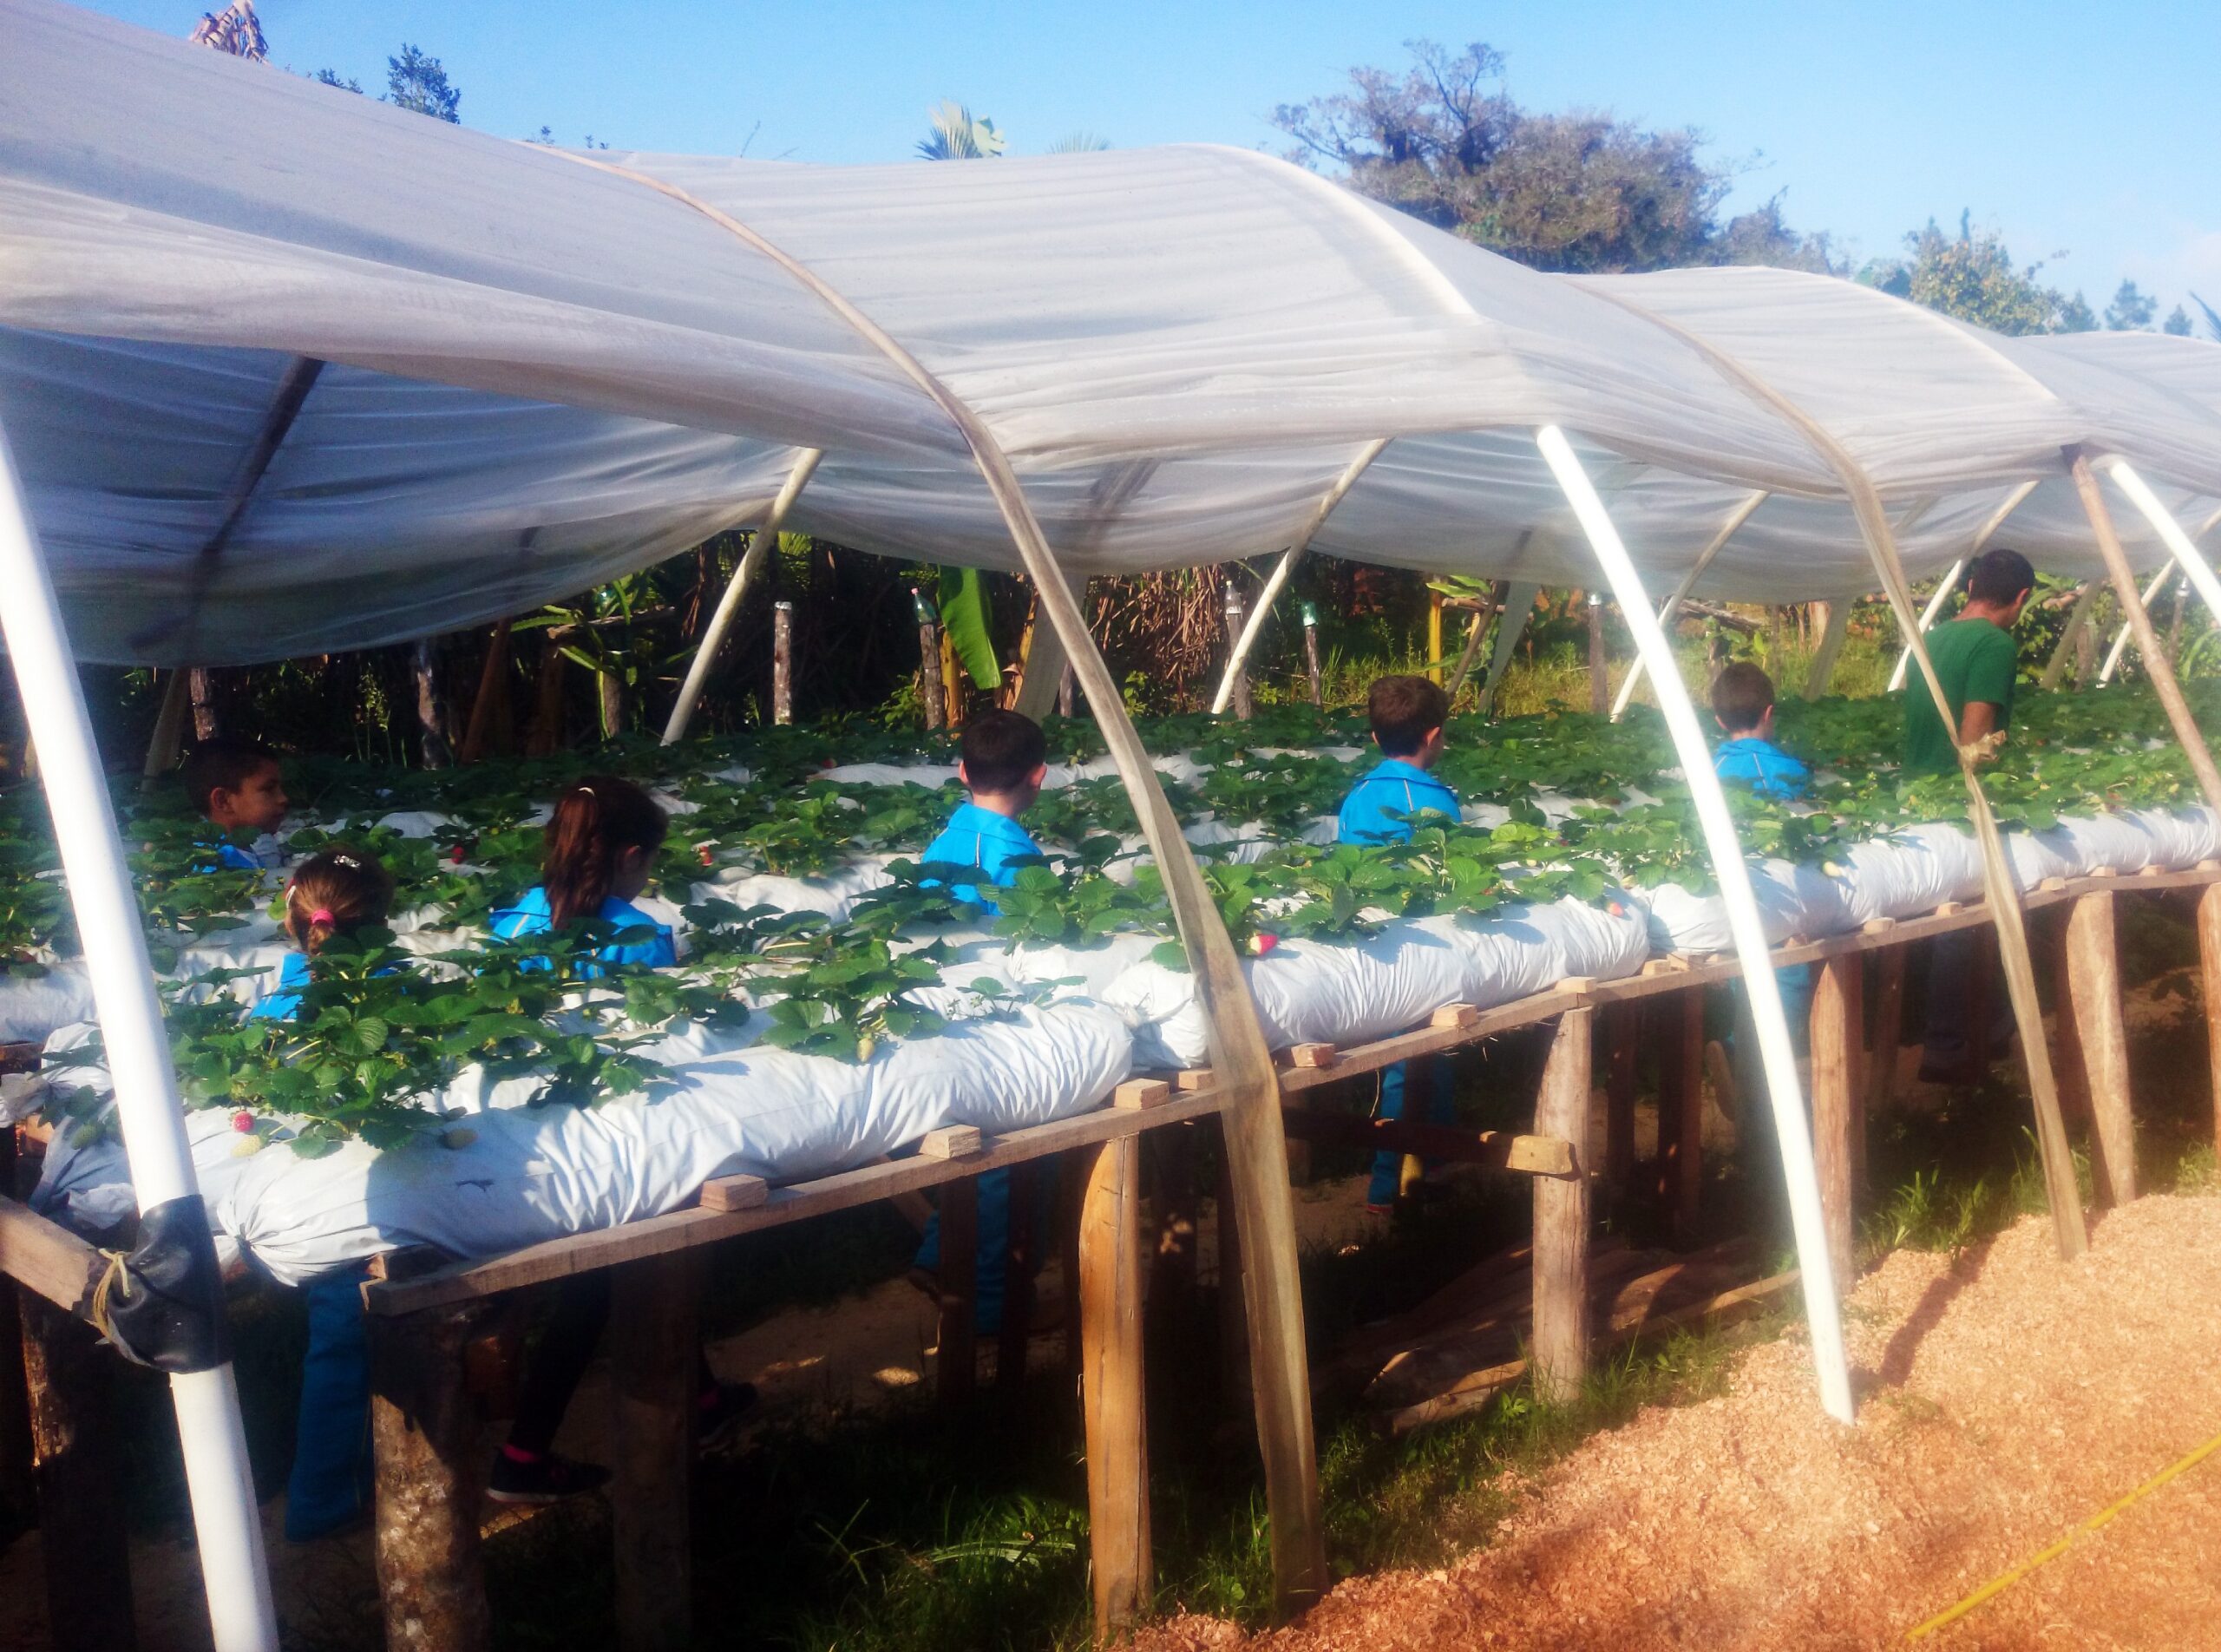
x=283, y=1002
x=1368, y=814
x=1767, y=769
x=533, y=916
x=981, y=837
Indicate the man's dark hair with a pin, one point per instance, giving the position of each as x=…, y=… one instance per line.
x=227, y=763
x=1404, y=711
x=1741, y=695
x=1998, y=576
x=1002, y=749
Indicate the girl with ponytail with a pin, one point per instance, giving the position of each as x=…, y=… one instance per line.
x=332, y=895
x=599, y=856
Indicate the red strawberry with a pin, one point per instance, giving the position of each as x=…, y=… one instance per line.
x=243, y=1122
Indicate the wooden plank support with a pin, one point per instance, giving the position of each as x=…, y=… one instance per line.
x=431, y=1577
x=735, y=1193
x=1140, y=1095
x=957, y=1364
x=951, y=1141
x=654, y=1349
x=1837, y=1022
x=82, y=1532
x=2209, y=952
x=1622, y=1039
x=1318, y=1057
x=1111, y=1388
x=1562, y=1217
x=2094, y=980
x=1500, y=1150
x=48, y=1258
x=1680, y=1114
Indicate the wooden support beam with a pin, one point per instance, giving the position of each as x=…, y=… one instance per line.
x=1838, y=1020
x=1111, y=1386
x=2094, y=980
x=1623, y=1034
x=653, y=1353
x=1562, y=1217
x=1499, y=1149
x=424, y=1430
x=951, y=1141
x=783, y=662
x=2209, y=952
x=49, y=1258
x=735, y=1193
x=957, y=1368
x=1889, y=1029
x=82, y=1532
x=1681, y=1113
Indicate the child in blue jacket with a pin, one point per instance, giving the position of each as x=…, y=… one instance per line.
x=238, y=787
x=1407, y=715
x=1004, y=759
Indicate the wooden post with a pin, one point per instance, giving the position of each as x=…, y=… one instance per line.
x=1434, y=636
x=1111, y=1339
x=545, y=736
x=2094, y=979
x=2071, y=640
x=1599, y=685
x=82, y=1530
x=929, y=692
x=1681, y=1112
x=1311, y=656
x=783, y=662
x=958, y=1367
x=1623, y=1033
x=206, y=723
x=489, y=729
x=1832, y=637
x=2209, y=952
x=433, y=748
x=1838, y=1023
x=1237, y=617
x=424, y=1429
x=163, y=748
x=654, y=1351
x=1019, y=1261
x=1888, y=1028
x=1562, y=1217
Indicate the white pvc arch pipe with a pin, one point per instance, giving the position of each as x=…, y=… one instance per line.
x=759, y=547
x=1278, y=582
x=2120, y=642
x=1779, y=1056
x=225, y=1518
x=1736, y=518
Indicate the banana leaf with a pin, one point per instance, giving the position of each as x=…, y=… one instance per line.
x=964, y=621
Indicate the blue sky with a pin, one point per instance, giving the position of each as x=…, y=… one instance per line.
x=2087, y=132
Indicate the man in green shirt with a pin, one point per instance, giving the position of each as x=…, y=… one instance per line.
x=1976, y=659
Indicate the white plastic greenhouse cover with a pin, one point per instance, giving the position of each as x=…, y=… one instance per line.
x=545, y=374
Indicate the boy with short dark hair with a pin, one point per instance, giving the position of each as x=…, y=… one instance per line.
x=238, y=786
x=1976, y=660
x=1742, y=704
x=1004, y=759
x=1407, y=715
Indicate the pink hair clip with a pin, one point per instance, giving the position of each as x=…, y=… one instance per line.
x=322, y=914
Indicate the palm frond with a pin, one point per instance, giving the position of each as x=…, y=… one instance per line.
x=955, y=135
x=1077, y=143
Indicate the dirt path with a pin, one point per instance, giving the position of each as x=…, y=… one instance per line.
x=2004, y=1399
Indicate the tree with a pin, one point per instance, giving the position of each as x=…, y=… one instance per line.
x=330, y=77
x=2076, y=316
x=416, y=81
x=2177, y=323
x=956, y=137
x=1973, y=278
x=1579, y=192
x=2131, y=311
x=235, y=30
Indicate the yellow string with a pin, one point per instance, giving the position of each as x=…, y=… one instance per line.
x=1998, y=1585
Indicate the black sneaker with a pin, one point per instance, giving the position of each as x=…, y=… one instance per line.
x=716, y=1420
x=545, y=1479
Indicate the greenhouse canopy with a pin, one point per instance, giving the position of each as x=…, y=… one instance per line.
x=539, y=371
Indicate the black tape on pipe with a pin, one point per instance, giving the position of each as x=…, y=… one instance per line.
x=163, y=1306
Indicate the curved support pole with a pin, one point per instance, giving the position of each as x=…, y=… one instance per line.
x=1278, y=582
x=1518, y=609
x=1671, y=607
x=217, y=1476
x=2120, y=638
x=1775, y=1050
x=1240, y=1060
x=759, y=548
x=2157, y=665
x=1951, y=579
